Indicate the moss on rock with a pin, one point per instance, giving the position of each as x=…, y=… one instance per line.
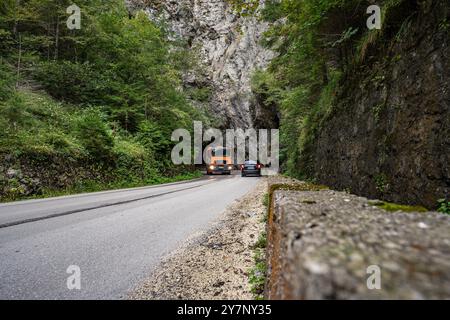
x=392, y=207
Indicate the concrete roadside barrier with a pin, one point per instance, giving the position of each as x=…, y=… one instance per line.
x=324, y=244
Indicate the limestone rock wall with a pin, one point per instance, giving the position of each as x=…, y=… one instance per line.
x=229, y=50
x=389, y=135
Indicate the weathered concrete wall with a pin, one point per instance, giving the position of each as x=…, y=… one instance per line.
x=321, y=244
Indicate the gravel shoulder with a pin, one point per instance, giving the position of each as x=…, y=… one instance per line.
x=213, y=265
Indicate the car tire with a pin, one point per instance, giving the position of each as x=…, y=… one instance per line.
x=242, y=174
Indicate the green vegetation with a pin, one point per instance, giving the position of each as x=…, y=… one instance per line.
x=381, y=183
x=393, y=207
x=258, y=274
x=320, y=45
x=88, y=109
x=266, y=200
x=262, y=241
x=327, y=62
x=200, y=94
x=266, y=203
x=97, y=186
x=444, y=206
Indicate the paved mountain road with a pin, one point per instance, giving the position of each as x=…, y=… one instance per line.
x=116, y=238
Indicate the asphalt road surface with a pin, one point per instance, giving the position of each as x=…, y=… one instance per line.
x=115, y=238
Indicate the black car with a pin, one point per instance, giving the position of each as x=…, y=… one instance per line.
x=251, y=168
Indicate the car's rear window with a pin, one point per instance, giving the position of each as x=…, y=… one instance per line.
x=250, y=162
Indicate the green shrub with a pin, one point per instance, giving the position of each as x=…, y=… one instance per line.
x=257, y=275
x=265, y=200
x=262, y=241
x=444, y=206
x=95, y=134
x=6, y=81
x=75, y=82
x=200, y=94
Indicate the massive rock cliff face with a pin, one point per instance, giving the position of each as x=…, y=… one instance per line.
x=229, y=51
x=389, y=136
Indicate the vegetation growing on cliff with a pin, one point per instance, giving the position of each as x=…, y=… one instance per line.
x=318, y=44
x=93, y=105
x=444, y=206
x=346, y=94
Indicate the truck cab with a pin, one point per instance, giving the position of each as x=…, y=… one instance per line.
x=221, y=161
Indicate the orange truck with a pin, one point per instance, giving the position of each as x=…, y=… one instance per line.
x=221, y=161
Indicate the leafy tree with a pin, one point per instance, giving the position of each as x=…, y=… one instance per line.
x=95, y=134
x=115, y=86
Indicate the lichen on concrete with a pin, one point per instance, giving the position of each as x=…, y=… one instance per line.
x=322, y=242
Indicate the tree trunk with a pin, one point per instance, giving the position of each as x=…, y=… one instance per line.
x=48, y=40
x=56, y=39
x=19, y=61
x=16, y=20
